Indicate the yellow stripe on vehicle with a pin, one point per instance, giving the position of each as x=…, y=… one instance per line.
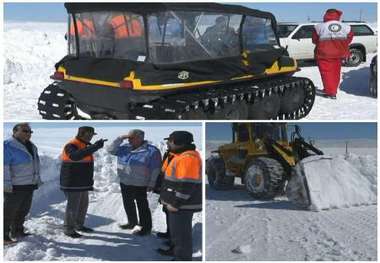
x=88, y=80
x=275, y=69
x=138, y=86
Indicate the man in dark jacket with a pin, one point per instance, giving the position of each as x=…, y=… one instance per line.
x=21, y=178
x=331, y=39
x=181, y=191
x=77, y=173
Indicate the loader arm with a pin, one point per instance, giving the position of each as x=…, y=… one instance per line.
x=303, y=149
x=281, y=153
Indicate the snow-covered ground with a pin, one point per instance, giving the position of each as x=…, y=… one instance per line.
x=105, y=212
x=32, y=49
x=240, y=228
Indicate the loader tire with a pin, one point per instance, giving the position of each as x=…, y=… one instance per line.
x=264, y=178
x=216, y=174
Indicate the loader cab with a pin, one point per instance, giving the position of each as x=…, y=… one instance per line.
x=245, y=132
x=240, y=133
x=273, y=131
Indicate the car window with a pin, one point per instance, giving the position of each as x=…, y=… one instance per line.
x=361, y=30
x=304, y=32
x=285, y=30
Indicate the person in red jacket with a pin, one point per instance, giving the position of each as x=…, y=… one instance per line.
x=331, y=39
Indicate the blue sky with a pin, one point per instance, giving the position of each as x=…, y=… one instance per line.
x=289, y=12
x=330, y=130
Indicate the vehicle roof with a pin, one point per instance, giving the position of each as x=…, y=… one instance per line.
x=318, y=22
x=146, y=8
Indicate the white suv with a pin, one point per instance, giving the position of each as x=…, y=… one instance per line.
x=297, y=38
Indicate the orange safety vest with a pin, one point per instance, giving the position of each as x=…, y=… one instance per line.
x=80, y=145
x=85, y=28
x=184, y=167
x=123, y=28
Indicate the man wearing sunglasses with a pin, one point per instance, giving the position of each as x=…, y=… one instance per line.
x=21, y=178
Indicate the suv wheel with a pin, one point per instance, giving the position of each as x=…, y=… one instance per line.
x=355, y=59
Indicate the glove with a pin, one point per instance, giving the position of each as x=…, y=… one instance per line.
x=8, y=189
x=99, y=143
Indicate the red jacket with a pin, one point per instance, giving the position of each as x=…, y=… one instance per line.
x=332, y=38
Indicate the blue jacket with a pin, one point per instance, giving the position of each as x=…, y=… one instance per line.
x=138, y=167
x=20, y=167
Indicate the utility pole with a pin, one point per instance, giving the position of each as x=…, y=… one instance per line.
x=360, y=17
x=347, y=154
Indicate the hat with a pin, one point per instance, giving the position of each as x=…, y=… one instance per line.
x=181, y=137
x=83, y=129
x=332, y=14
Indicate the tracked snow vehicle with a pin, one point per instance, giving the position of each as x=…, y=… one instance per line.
x=265, y=160
x=174, y=61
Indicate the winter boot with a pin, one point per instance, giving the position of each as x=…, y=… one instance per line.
x=8, y=240
x=85, y=229
x=166, y=252
x=163, y=235
x=73, y=235
x=127, y=226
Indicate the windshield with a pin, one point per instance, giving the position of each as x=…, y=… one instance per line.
x=172, y=36
x=285, y=30
x=269, y=131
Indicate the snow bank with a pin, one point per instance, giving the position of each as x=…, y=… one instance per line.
x=30, y=53
x=338, y=182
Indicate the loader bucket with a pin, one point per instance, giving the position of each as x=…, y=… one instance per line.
x=322, y=182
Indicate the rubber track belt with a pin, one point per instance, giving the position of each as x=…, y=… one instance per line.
x=57, y=104
x=175, y=106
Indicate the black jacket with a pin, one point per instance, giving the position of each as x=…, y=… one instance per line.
x=77, y=174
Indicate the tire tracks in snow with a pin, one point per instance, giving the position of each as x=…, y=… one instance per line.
x=355, y=228
x=267, y=231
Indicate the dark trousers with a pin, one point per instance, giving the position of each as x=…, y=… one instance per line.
x=16, y=207
x=76, y=210
x=131, y=194
x=181, y=234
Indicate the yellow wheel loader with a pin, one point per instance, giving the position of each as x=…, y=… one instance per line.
x=270, y=164
x=264, y=158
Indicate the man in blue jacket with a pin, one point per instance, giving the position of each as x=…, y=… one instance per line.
x=138, y=166
x=21, y=178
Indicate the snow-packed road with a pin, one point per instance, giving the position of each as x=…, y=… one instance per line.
x=239, y=228
x=28, y=65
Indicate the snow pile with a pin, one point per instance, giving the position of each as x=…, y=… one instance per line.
x=336, y=182
x=30, y=53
